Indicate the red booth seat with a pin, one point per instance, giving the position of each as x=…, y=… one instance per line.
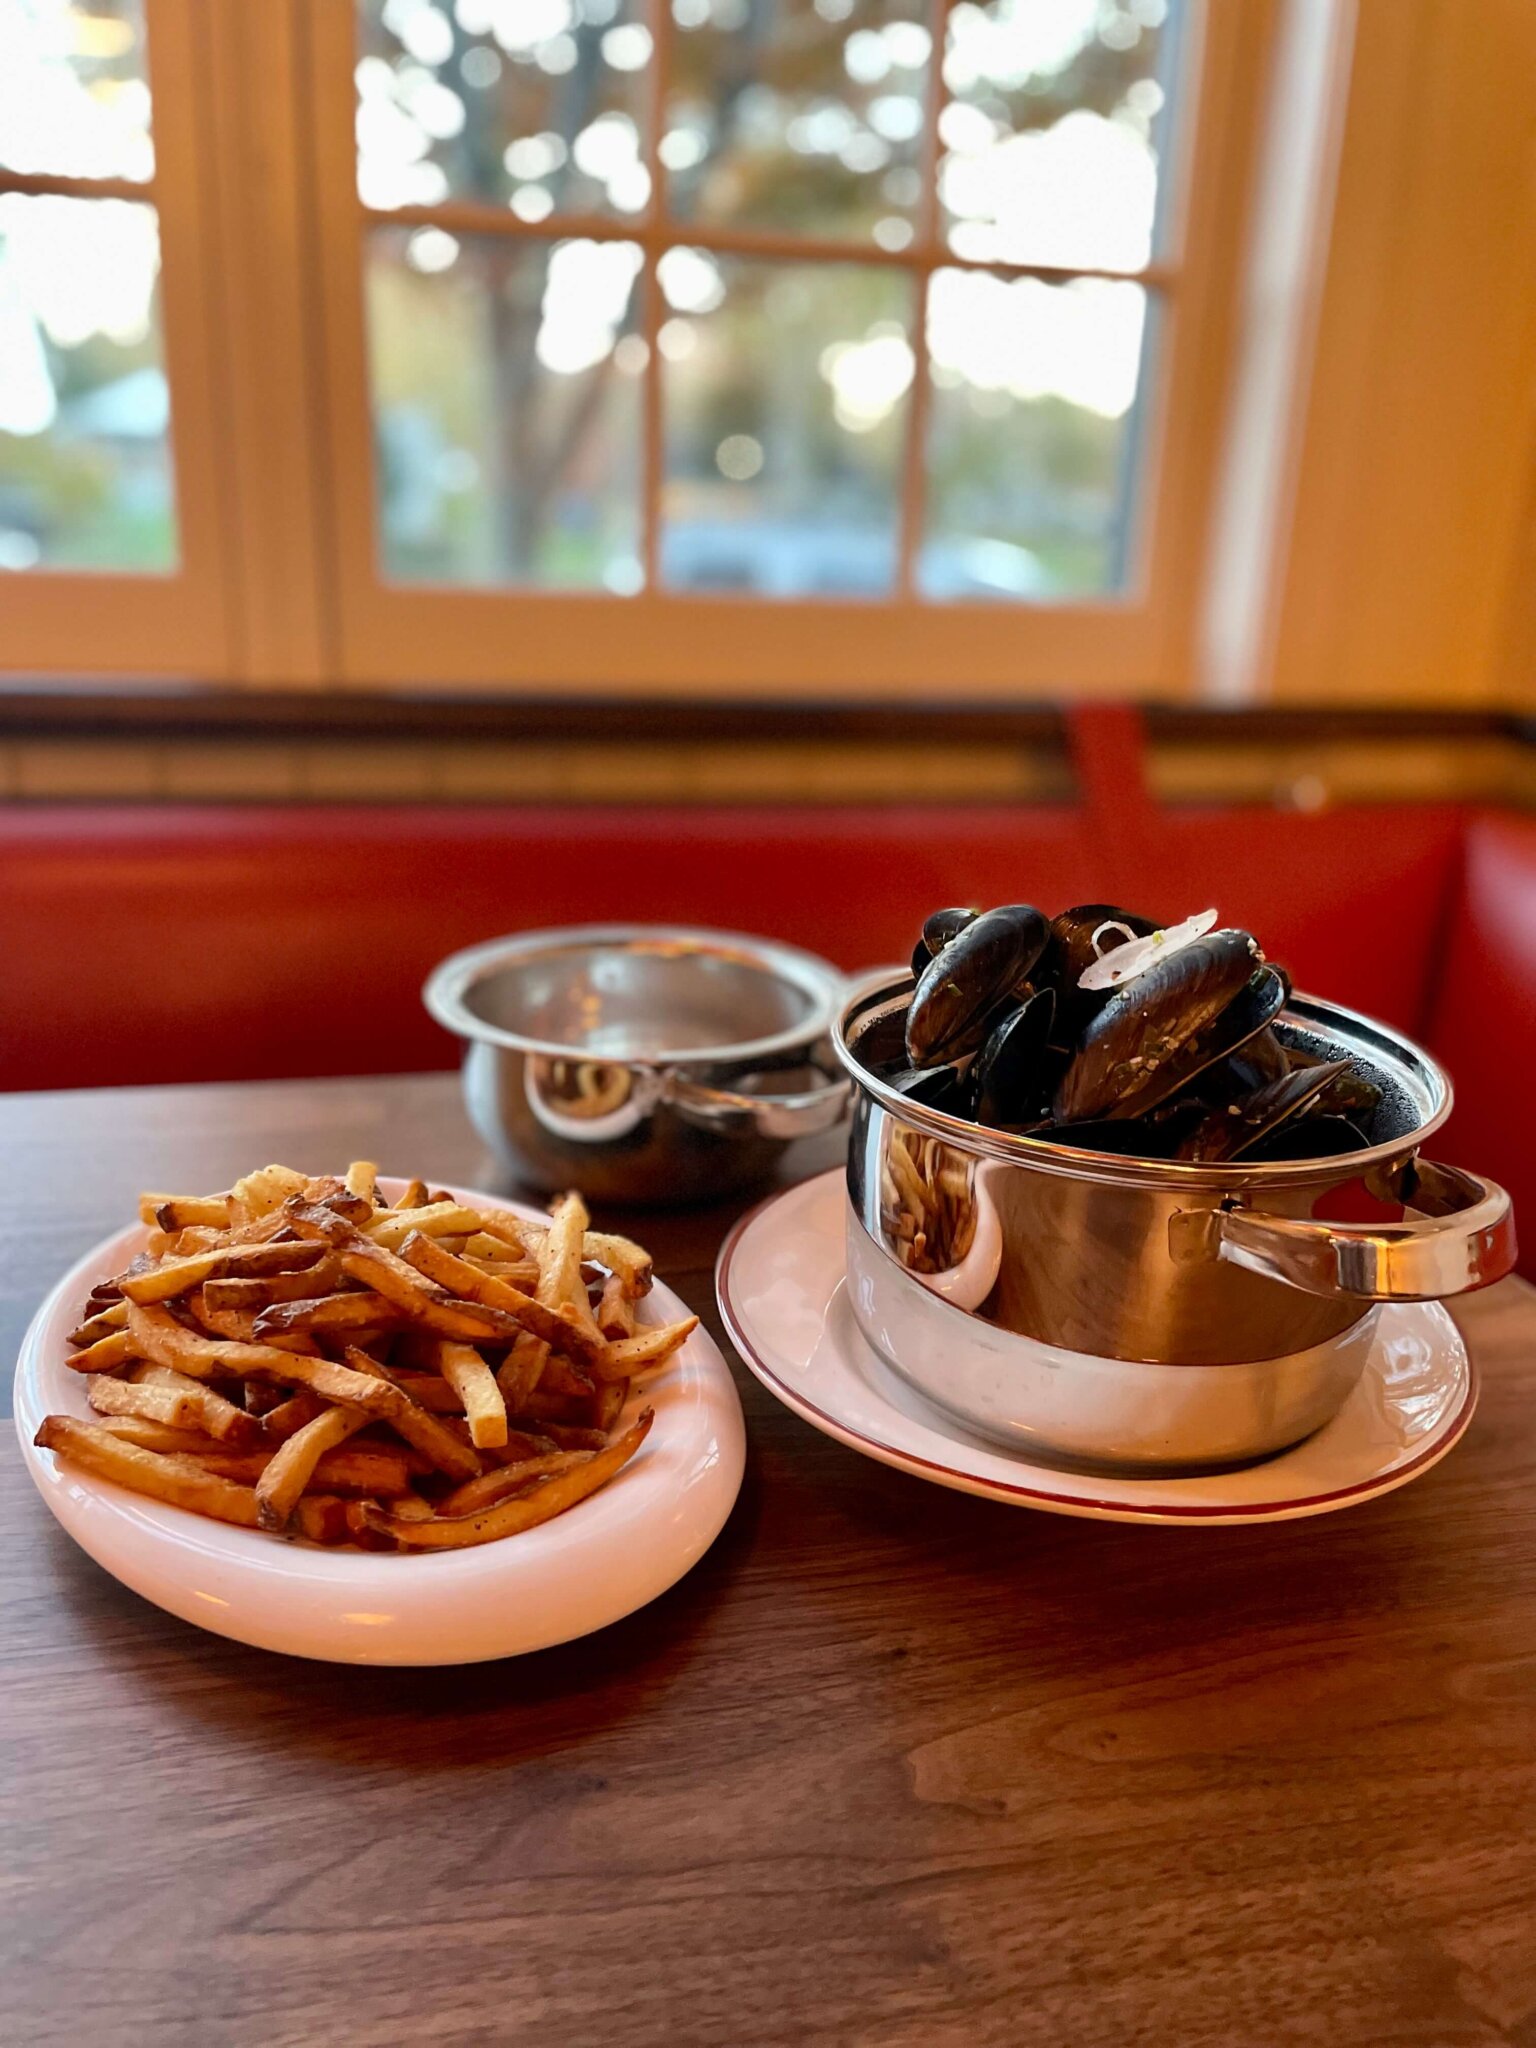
x=189, y=943
x=200, y=943
x=1482, y=1017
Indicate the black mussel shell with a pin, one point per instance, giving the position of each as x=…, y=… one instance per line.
x=1262, y=1059
x=1134, y=1137
x=882, y=1044
x=1014, y=1070
x=1311, y=1137
x=1242, y=1020
x=1351, y=1095
x=961, y=987
x=1073, y=932
x=943, y=1088
x=1229, y=1131
x=938, y=929
x=1158, y=1030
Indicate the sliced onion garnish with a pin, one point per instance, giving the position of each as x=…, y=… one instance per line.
x=1120, y=963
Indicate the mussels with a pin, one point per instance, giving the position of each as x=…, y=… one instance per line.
x=1156, y=1031
x=1172, y=1055
x=985, y=965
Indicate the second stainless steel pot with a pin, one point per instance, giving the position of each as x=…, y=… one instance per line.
x=643, y=1063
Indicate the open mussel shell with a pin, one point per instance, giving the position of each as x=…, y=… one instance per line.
x=1229, y=1131
x=945, y=1088
x=1074, y=932
x=965, y=984
x=1311, y=1137
x=938, y=929
x=1158, y=1031
x=1014, y=1071
x=1126, y=1137
x=1350, y=1095
x=1262, y=1059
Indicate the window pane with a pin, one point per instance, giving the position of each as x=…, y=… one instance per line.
x=85, y=467
x=506, y=399
x=1032, y=435
x=1051, y=138
x=800, y=115
x=785, y=393
x=539, y=105
x=74, y=95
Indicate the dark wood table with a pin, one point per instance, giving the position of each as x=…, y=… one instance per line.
x=891, y=1766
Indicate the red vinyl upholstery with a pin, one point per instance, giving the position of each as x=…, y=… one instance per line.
x=185, y=943
x=202, y=943
x=1482, y=1023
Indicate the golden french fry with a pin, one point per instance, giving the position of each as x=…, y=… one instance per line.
x=388, y=1274
x=560, y=1375
x=159, y=1436
x=213, y=1411
x=362, y=1178
x=397, y=1408
x=107, y=1354
x=177, y=1406
x=236, y=1325
x=310, y=1282
x=615, y=1312
x=329, y=1312
x=177, y=1212
x=475, y=1385
x=177, y=1479
x=620, y=1255
x=414, y=1196
x=261, y=1193
x=280, y=1422
x=428, y=1390
x=492, y=1486
x=391, y=1227
x=557, y=1327
x=102, y=1324
x=607, y=1404
x=551, y=1497
x=293, y=1464
x=176, y=1276
x=322, y=1518
x=650, y=1346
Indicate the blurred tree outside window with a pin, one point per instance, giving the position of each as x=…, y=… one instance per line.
x=85, y=457
x=790, y=298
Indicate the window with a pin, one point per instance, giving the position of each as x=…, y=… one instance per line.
x=95, y=546
x=858, y=343
x=864, y=346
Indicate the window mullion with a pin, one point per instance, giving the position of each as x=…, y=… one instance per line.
x=652, y=451
x=915, y=452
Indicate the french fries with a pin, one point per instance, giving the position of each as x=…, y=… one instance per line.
x=299, y=1356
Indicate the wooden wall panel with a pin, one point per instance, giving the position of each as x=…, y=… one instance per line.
x=1419, y=426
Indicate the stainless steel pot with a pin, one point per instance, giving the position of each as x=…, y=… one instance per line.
x=642, y=1063
x=1143, y=1311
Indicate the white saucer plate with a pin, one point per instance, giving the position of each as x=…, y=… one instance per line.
x=590, y=1566
x=780, y=1281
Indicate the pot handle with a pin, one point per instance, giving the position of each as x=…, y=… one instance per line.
x=1463, y=1237
x=763, y=1116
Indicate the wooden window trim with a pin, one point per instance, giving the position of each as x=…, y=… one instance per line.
x=178, y=621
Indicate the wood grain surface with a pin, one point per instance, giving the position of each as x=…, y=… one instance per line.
x=891, y=1767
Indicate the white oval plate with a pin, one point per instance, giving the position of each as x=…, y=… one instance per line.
x=780, y=1281
x=599, y=1561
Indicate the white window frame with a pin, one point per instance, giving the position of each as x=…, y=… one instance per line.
x=1136, y=643
x=263, y=236
x=177, y=621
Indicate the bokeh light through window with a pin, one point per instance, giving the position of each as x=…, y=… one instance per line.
x=517, y=442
